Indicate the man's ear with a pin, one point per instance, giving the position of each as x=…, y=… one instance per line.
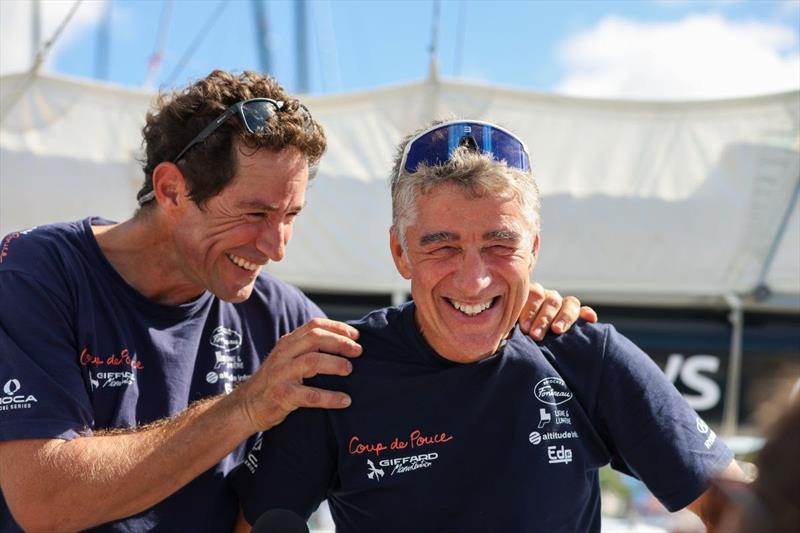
x=534, y=253
x=400, y=256
x=170, y=187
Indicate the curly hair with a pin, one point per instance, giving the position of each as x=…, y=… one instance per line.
x=209, y=167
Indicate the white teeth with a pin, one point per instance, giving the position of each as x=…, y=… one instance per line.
x=241, y=262
x=471, y=310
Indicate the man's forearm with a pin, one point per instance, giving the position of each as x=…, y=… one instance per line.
x=71, y=485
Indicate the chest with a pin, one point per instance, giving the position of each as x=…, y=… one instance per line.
x=500, y=441
x=137, y=370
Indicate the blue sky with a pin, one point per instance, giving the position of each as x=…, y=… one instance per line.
x=664, y=49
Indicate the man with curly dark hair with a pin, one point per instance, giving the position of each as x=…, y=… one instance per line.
x=138, y=358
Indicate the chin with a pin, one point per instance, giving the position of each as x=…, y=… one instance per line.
x=235, y=297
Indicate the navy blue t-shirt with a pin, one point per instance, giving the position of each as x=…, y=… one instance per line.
x=82, y=350
x=511, y=443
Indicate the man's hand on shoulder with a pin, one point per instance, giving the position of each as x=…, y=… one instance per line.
x=548, y=309
x=320, y=347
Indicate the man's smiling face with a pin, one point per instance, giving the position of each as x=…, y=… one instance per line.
x=469, y=261
x=225, y=244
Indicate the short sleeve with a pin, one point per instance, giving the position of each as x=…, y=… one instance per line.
x=42, y=391
x=291, y=466
x=654, y=434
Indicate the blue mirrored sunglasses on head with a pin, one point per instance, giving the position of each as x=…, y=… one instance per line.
x=436, y=145
x=254, y=114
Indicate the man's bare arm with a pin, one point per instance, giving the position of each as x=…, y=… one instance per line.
x=707, y=506
x=70, y=485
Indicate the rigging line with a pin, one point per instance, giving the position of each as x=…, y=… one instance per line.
x=45, y=49
x=37, y=64
x=154, y=63
x=198, y=40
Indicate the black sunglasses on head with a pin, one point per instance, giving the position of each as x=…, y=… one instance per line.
x=254, y=114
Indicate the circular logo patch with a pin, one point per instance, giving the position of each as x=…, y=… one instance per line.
x=535, y=437
x=552, y=391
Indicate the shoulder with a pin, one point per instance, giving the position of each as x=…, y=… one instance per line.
x=53, y=258
x=600, y=339
x=582, y=341
x=280, y=298
x=581, y=335
x=35, y=248
x=385, y=333
x=381, y=323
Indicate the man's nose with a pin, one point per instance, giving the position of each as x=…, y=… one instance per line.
x=472, y=275
x=271, y=240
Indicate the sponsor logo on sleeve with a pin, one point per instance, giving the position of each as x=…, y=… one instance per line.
x=251, y=461
x=703, y=429
x=552, y=391
x=14, y=398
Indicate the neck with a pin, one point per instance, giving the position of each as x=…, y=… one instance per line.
x=141, y=251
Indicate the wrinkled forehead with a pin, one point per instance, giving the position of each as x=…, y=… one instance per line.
x=523, y=221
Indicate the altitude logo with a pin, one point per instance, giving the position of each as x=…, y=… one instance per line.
x=12, y=400
x=536, y=437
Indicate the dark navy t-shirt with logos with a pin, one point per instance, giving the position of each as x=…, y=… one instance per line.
x=80, y=350
x=511, y=443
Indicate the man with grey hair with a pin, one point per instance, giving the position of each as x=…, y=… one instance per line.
x=459, y=421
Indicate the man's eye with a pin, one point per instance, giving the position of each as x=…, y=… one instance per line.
x=254, y=217
x=444, y=251
x=499, y=249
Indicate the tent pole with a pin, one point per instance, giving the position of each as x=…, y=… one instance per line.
x=730, y=412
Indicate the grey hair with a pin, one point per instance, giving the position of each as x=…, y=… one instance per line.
x=475, y=173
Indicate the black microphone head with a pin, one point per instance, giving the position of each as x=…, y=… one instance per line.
x=280, y=521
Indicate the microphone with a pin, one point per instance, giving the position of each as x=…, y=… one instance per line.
x=280, y=521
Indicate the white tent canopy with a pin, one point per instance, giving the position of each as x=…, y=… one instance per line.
x=659, y=203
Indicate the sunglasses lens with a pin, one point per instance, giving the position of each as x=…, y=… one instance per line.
x=436, y=146
x=256, y=113
x=506, y=147
x=433, y=148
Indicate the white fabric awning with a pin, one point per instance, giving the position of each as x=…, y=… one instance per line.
x=664, y=203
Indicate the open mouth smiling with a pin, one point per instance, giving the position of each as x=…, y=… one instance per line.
x=472, y=309
x=242, y=262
